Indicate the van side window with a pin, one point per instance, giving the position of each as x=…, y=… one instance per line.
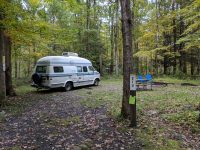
x=79, y=69
x=41, y=69
x=85, y=69
x=58, y=69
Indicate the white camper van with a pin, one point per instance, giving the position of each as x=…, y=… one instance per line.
x=65, y=71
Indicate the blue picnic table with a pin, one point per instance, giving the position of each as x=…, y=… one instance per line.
x=144, y=82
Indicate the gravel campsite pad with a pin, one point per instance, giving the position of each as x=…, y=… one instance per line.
x=57, y=120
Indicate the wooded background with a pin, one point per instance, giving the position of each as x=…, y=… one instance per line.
x=165, y=34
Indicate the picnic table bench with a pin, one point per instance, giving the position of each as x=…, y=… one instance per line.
x=145, y=83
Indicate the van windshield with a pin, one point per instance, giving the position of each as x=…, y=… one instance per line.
x=41, y=69
x=91, y=68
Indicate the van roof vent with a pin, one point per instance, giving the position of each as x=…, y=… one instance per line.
x=69, y=54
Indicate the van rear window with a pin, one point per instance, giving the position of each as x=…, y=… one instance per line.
x=58, y=69
x=41, y=69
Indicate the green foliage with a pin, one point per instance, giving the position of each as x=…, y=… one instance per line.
x=40, y=28
x=191, y=34
x=90, y=46
x=167, y=31
x=52, y=27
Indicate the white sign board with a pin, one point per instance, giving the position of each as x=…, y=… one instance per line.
x=132, y=82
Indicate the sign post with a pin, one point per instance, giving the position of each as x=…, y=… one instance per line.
x=132, y=100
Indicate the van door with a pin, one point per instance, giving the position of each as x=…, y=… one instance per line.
x=80, y=76
x=88, y=75
x=59, y=77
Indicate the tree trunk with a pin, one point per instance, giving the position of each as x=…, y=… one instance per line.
x=182, y=60
x=198, y=119
x=192, y=64
x=19, y=71
x=174, y=42
x=87, y=48
x=9, y=87
x=34, y=51
x=135, y=43
x=29, y=64
x=184, y=63
x=116, y=38
x=2, y=74
x=165, y=65
x=198, y=64
x=157, y=38
x=127, y=55
x=16, y=73
x=95, y=15
x=111, y=42
x=166, y=59
x=100, y=64
x=88, y=15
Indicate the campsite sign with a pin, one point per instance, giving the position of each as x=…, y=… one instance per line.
x=132, y=100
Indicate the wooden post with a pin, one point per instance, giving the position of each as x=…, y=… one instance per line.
x=132, y=101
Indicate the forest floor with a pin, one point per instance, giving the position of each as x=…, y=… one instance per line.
x=59, y=120
x=88, y=118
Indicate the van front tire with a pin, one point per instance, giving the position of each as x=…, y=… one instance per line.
x=96, y=82
x=68, y=86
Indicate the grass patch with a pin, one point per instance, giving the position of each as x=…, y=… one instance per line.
x=16, y=148
x=174, y=103
x=17, y=107
x=186, y=118
x=177, y=80
x=23, y=89
x=23, y=86
x=98, y=97
x=152, y=138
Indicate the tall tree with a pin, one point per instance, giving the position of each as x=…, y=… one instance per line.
x=2, y=76
x=111, y=15
x=116, y=34
x=127, y=54
x=174, y=37
x=88, y=4
x=8, y=68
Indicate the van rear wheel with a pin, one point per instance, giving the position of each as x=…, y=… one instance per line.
x=68, y=86
x=96, y=82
